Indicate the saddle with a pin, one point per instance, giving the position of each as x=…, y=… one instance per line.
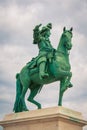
x=33, y=64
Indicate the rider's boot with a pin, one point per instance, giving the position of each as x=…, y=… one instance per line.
x=42, y=72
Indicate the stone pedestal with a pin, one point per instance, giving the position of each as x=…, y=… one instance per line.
x=55, y=118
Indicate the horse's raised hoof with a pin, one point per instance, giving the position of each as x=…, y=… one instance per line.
x=70, y=85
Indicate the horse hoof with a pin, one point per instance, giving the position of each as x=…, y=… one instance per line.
x=59, y=104
x=25, y=109
x=70, y=85
x=39, y=106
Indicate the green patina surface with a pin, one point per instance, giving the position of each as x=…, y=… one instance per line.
x=49, y=66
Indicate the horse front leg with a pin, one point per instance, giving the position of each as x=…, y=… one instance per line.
x=61, y=92
x=67, y=83
x=64, y=85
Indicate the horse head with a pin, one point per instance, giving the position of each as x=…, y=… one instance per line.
x=65, y=43
x=67, y=36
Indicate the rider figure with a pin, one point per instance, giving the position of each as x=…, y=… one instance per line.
x=41, y=37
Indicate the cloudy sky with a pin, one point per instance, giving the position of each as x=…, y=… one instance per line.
x=17, y=20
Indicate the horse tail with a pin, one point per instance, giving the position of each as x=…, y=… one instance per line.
x=18, y=102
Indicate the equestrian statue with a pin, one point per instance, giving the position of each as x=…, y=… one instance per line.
x=49, y=66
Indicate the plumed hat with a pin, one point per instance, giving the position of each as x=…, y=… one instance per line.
x=45, y=28
x=49, y=25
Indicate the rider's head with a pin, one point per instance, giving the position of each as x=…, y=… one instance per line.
x=46, y=30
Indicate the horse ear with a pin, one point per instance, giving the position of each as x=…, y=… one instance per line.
x=64, y=28
x=71, y=29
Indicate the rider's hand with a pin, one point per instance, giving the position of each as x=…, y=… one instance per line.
x=37, y=26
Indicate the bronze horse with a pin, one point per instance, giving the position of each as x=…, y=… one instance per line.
x=58, y=70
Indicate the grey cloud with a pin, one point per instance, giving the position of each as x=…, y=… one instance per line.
x=19, y=2
x=4, y=36
x=5, y=107
x=5, y=83
x=4, y=2
x=73, y=10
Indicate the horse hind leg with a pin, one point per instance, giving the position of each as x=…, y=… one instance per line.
x=21, y=89
x=33, y=92
x=24, y=107
x=24, y=90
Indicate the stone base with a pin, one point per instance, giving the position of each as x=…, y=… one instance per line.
x=55, y=118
